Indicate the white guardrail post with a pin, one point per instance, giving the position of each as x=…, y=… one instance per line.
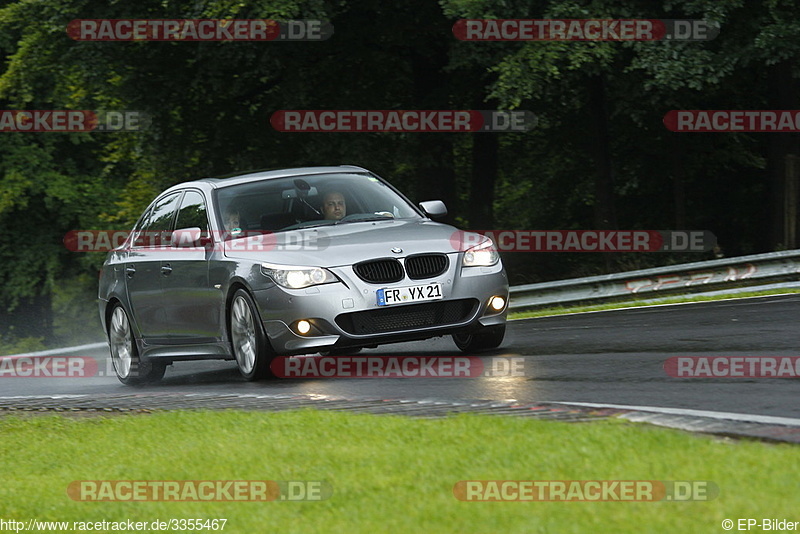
x=687, y=277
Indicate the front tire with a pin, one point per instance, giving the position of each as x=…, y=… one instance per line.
x=486, y=338
x=248, y=340
x=129, y=367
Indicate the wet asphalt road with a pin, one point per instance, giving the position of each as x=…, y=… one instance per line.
x=614, y=357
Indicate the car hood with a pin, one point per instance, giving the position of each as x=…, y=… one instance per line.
x=346, y=244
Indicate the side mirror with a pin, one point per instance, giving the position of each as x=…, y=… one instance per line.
x=434, y=209
x=186, y=237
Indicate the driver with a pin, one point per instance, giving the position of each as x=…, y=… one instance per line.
x=333, y=206
x=232, y=222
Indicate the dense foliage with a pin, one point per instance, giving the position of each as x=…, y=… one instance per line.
x=599, y=158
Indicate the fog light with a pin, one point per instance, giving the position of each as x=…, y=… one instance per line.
x=303, y=326
x=497, y=303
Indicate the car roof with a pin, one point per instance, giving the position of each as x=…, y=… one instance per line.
x=254, y=176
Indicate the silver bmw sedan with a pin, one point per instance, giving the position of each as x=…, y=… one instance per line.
x=296, y=261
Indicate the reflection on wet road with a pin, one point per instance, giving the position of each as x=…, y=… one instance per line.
x=612, y=357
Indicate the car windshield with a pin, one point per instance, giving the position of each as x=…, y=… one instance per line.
x=275, y=205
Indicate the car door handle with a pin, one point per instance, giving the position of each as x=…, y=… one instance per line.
x=166, y=269
x=130, y=271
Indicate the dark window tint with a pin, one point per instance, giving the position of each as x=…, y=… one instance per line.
x=193, y=212
x=140, y=226
x=157, y=228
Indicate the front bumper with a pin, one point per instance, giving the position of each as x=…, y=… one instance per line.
x=346, y=314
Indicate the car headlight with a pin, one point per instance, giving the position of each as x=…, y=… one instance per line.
x=297, y=277
x=482, y=255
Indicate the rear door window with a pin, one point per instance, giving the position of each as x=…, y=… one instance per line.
x=157, y=229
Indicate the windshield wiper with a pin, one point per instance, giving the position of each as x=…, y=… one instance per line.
x=303, y=226
x=365, y=218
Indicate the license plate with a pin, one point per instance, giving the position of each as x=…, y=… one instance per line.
x=401, y=295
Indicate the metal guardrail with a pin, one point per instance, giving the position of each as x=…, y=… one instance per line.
x=695, y=277
x=698, y=277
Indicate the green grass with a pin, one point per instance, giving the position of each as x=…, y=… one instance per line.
x=678, y=299
x=389, y=474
